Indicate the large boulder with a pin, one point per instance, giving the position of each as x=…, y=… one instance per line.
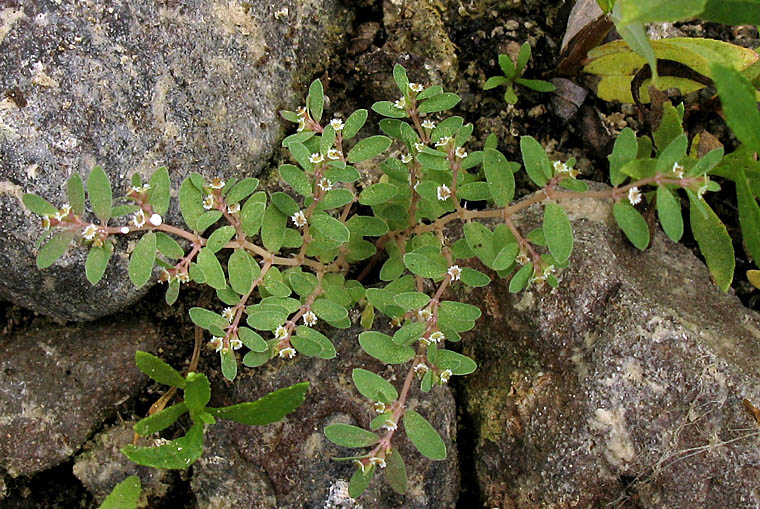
x=130, y=86
x=624, y=385
x=60, y=383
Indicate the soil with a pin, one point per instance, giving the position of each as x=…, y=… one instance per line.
x=543, y=23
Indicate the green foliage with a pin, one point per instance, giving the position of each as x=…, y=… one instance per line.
x=125, y=495
x=513, y=72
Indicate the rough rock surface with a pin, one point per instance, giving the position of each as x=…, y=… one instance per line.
x=131, y=86
x=102, y=466
x=59, y=383
x=624, y=386
x=288, y=465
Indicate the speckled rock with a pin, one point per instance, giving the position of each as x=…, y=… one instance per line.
x=288, y=465
x=58, y=384
x=102, y=466
x=623, y=386
x=130, y=86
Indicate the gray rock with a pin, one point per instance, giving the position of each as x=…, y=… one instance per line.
x=288, y=465
x=623, y=386
x=58, y=384
x=102, y=466
x=130, y=86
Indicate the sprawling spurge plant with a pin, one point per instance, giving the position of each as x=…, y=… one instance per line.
x=290, y=253
x=513, y=76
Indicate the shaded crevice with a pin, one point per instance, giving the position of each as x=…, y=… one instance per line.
x=470, y=493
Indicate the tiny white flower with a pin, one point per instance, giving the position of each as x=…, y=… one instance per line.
x=522, y=259
x=419, y=146
x=228, y=314
x=400, y=103
x=380, y=462
x=455, y=272
x=415, y=185
x=324, y=184
x=316, y=158
x=299, y=218
x=423, y=315
x=216, y=183
x=445, y=375
x=280, y=333
x=337, y=124
x=703, y=189
x=63, y=212
x=309, y=318
x=301, y=125
x=416, y=87
x=138, y=189
x=156, y=219
x=183, y=277
x=138, y=219
x=634, y=196
x=390, y=425
x=379, y=407
x=428, y=124
x=678, y=170
x=216, y=343
x=233, y=209
x=236, y=344
x=460, y=152
x=420, y=368
x=560, y=167
x=443, y=141
x=333, y=154
x=288, y=353
x=406, y=158
x=45, y=222
x=444, y=192
x=208, y=202
x=89, y=232
x=124, y=229
x=301, y=111
x=437, y=337
x=360, y=465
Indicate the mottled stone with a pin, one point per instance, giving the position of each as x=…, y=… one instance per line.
x=624, y=386
x=130, y=86
x=288, y=465
x=59, y=383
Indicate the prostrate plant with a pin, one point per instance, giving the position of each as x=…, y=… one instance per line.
x=290, y=254
x=513, y=75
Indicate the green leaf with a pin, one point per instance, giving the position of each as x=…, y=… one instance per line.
x=39, y=206
x=206, y=319
x=377, y=194
x=707, y=163
x=124, y=495
x=190, y=204
x=335, y=198
x=749, y=215
x=252, y=214
x=368, y=148
x=284, y=203
x=271, y=408
x=219, y=238
x=388, y=109
x=458, y=311
x=537, y=85
x=172, y=292
x=75, y=193
x=424, y=437
x=360, y=481
x=168, y=247
x=739, y=103
x=354, y=123
x=494, y=81
x=99, y=192
x=501, y=181
x=383, y=348
x=367, y=226
x=633, y=225
x=558, y=232
x=317, y=344
x=671, y=154
x=158, y=370
x=510, y=97
x=669, y=212
x=648, y=11
x=241, y=190
x=296, y=179
x=179, y=453
x=670, y=127
x=714, y=242
x=229, y=363
x=535, y=160
x=440, y=102
x=316, y=100
x=425, y=266
x=624, y=151
x=241, y=271
x=97, y=261
x=409, y=333
x=479, y=239
x=330, y=227
x=211, y=268
x=266, y=320
x=458, y=364
x=373, y=387
x=411, y=300
x=197, y=391
x=160, y=420
x=329, y=311
x=160, y=189
x=395, y=471
x=142, y=260
x=252, y=340
x=521, y=278
x=731, y=12
x=507, y=66
x=347, y=435
x=475, y=278
x=256, y=359
x=399, y=76
x=273, y=229
x=506, y=256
